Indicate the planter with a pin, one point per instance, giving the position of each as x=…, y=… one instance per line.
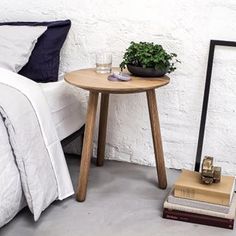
x=145, y=72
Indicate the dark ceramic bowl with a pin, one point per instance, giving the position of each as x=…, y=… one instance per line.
x=145, y=72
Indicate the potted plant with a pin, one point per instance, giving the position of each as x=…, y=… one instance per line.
x=148, y=60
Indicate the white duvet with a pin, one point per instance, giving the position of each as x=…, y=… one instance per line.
x=33, y=170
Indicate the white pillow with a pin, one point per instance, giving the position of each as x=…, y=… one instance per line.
x=17, y=44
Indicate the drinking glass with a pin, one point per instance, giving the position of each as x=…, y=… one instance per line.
x=103, y=62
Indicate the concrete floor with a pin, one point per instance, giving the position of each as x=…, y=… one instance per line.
x=122, y=200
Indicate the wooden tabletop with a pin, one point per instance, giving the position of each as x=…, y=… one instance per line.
x=89, y=79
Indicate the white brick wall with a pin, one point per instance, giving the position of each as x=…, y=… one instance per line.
x=184, y=27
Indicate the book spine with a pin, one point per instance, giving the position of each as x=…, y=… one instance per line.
x=198, y=204
x=197, y=218
x=177, y=207
x=198, y=195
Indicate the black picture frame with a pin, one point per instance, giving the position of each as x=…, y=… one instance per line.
x=213, y=44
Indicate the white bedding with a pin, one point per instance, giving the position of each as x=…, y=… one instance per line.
x=12, y=199
x=68, y=106
x=28, y=135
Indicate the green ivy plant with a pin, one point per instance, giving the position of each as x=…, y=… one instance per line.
x=149, y=55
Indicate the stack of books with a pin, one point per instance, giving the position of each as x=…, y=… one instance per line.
x=192, y=201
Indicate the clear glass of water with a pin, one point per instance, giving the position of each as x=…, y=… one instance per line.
x=103, y=62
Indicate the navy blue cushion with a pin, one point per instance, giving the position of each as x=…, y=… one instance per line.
x=43, y=64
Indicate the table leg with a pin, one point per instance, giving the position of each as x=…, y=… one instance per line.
x=87, y=147
x=156, y=136
x=102, y=129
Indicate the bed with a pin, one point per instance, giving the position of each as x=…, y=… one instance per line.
x=35, y=118
x=38, y=113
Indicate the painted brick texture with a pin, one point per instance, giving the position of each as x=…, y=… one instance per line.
x=184, y=27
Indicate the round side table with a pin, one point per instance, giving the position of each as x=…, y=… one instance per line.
x=97, y=83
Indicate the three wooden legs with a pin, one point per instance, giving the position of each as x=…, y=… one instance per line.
x=88, y=139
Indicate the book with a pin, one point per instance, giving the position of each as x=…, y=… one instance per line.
x=189, y=186
x=196, y=204
x=198, y=218
x=195, y=210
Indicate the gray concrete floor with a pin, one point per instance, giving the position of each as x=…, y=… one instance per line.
x=122, y=199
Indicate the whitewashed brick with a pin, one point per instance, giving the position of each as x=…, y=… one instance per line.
x=184, y=27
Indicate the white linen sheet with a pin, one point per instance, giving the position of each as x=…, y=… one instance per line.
x=67, y=105
x=12, y=198
x=20, y=96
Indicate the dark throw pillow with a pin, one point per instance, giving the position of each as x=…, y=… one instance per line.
x=43, y=64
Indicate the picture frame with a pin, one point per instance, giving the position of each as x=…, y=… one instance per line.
x=213, y=44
